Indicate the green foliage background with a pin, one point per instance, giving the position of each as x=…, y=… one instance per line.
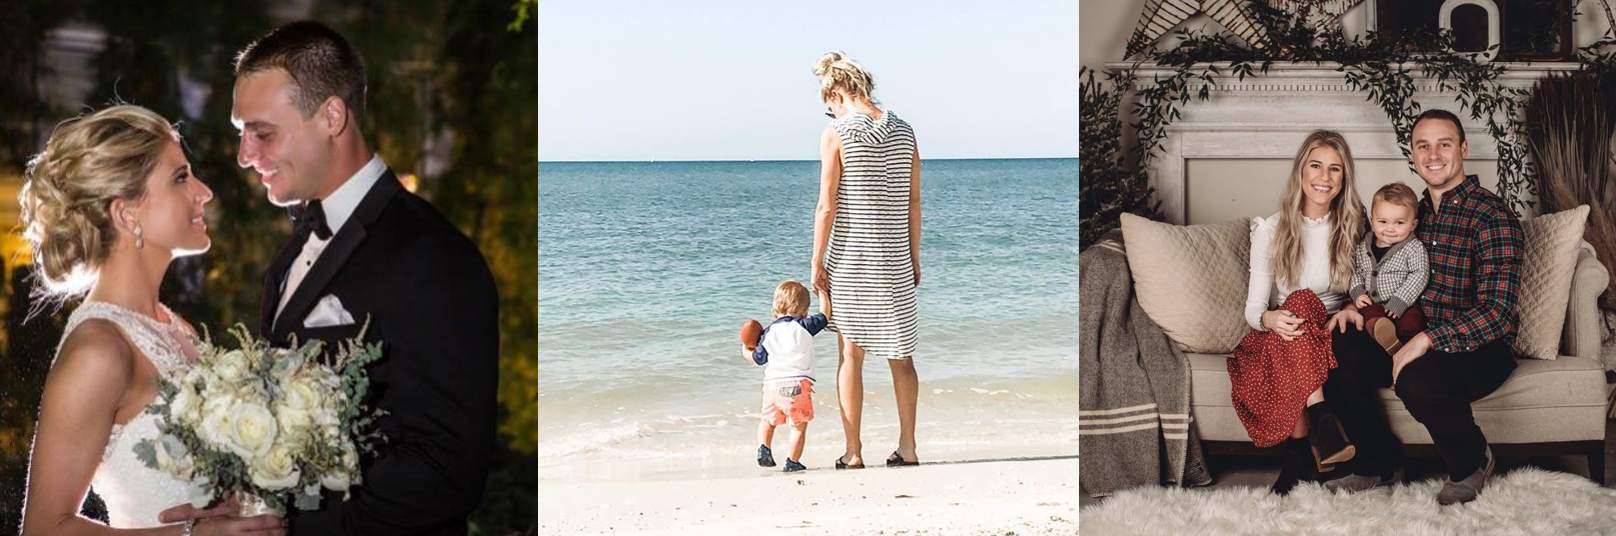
x=467, y=68
x=1382, y=66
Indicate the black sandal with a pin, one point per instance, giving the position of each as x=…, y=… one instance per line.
x=843, y=465
x=896, y=460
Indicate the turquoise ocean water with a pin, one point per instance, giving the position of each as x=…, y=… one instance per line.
x=647, y=270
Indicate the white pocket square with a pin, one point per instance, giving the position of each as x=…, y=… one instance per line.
x=328, y=313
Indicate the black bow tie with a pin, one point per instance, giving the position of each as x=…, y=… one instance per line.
x=309, y=218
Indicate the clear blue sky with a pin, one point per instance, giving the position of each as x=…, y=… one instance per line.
x=733, y=80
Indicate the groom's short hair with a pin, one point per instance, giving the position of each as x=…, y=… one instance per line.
x=319, y=60
x=1438, y=113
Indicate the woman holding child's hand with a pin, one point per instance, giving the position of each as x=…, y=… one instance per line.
x=867, y=247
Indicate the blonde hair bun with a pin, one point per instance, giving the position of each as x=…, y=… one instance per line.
x=826, y=61
x=69, y=187
x=837, y=71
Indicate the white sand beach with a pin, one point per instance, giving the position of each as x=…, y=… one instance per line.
x=1025, y=496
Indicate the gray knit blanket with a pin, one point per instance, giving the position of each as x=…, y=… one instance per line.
x=1134, y=398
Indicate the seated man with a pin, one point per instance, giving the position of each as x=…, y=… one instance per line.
x=1474, y=242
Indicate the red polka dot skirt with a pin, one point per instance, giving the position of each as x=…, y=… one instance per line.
x=1271, y=377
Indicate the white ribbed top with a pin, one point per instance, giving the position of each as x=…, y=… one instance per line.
x=1264, y=292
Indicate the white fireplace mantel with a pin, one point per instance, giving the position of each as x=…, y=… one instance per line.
x=1267, y=116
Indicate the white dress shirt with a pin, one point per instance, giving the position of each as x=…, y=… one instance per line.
x=338, y=208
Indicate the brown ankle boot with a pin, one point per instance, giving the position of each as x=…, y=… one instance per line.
x=1385, y=332
x=1327, y=437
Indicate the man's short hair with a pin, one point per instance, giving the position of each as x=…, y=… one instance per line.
x=320, y=62
x=1438, y=113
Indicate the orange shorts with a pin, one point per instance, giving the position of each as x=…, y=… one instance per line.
x=788, y=401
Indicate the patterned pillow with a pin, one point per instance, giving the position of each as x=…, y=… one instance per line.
x=1191, y=280
x=1547, y=264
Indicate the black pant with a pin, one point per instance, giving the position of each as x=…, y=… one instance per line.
x=1437, y=390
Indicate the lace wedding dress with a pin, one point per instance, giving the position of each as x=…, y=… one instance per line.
x=134, y=494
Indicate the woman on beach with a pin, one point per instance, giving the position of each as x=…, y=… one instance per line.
x=867, y=247
x=1301, y=259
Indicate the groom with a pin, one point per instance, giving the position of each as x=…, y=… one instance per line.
x=365, y=249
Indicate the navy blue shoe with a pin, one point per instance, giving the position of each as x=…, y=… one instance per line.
x=765, y=456
x=792, y=466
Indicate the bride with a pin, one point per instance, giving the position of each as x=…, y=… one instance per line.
x=107, y=206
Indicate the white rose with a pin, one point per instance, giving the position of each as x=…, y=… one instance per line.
x=231, y=366
x=341, y=478
x=217, y=405
x=252, y=430
x=173, y=458
x=330, y=432
x=335, y=481
x=186, y=407
x=194, y=376
x=275, y=470
x=332, y=401
x=301, y=400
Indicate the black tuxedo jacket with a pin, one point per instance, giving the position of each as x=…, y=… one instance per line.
x=431, y=302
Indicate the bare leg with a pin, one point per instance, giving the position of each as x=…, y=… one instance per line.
x=850, y=392
x=906, y=385
x=765, y=434
x=1316, y=396
x=799, y=431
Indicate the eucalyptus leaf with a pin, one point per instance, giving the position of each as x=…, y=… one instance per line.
x=146, y=452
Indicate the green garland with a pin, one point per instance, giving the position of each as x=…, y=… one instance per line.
x=1107, y=188
x=1380, y=67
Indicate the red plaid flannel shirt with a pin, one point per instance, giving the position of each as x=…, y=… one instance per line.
x=1474, y=244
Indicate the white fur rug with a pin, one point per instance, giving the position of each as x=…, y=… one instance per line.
x=1524, y=501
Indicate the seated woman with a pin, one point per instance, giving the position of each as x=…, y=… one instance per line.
x=1301, y=260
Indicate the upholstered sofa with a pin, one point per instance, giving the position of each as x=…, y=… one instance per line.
x=1555, y=405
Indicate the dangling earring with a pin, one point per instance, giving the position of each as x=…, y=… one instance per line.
x=140, y=241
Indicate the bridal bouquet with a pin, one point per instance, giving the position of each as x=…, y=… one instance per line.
x=265, y=423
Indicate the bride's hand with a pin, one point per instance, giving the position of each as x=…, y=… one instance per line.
x=186, y=512
x=264, y=525
x=221, y=520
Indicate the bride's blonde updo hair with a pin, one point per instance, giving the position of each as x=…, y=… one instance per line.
x=67, y=197
x=836, y=70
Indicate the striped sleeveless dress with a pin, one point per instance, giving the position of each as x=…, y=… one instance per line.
x=872, y=288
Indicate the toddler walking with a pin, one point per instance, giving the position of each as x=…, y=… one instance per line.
x=786, y=350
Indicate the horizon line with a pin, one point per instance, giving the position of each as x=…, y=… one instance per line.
x=789, y=160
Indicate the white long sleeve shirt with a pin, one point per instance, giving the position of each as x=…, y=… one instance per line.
x=1264, y=291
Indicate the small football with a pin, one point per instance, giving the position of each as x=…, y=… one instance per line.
x=750, y=331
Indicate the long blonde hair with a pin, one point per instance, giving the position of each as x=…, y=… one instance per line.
x=1346, y=216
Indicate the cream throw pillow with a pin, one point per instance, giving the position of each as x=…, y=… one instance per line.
x=1191, y=280
x=1547, y=265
